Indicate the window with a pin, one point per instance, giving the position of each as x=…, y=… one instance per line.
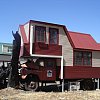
x=7, y=49
x=40, y=33
x=10, y=49
x=82, y=58
x=53, y=36
x=50, y=63
x=78, y=58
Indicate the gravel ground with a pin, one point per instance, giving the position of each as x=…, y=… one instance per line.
x=13, y=94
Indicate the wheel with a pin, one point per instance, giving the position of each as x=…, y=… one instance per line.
x=88, y=84
x=31, y=85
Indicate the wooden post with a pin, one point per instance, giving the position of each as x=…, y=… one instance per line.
x=97, y=84
x=62, y=74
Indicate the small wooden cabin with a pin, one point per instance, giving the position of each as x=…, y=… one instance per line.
x=81, y=53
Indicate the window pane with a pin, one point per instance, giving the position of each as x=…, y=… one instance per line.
x=53, y=38
x=78, y=58
x=10, y=49
x=87, y=58
x=5, y=49
x=40, y=34
x=50, y=63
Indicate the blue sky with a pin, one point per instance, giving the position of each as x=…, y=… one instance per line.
x=78, y=15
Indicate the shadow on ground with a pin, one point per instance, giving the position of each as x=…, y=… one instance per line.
x=52, y=88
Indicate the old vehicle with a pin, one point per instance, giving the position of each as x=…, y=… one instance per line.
x=42, y=70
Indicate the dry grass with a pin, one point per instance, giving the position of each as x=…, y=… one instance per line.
x=13, y=94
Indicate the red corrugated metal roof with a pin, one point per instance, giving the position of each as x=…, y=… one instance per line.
x=83, y=41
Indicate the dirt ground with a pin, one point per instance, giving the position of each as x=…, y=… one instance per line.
x=13, y=94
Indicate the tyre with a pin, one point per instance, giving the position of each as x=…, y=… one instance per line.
x=31, y=85
x=88, y=84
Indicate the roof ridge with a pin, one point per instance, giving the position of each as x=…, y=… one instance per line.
x=44, y=22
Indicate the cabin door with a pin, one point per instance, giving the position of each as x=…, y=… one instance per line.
x=50, y=68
